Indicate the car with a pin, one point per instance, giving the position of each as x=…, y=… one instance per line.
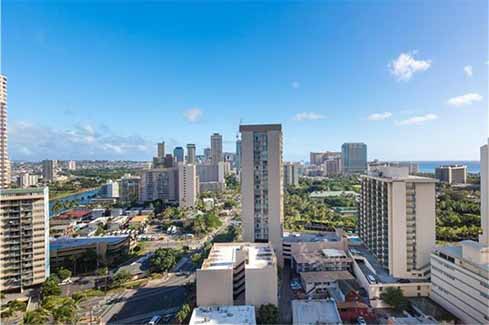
x=155, y=320
x=361, y=321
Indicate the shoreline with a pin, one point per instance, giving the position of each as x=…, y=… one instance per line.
x=63, y=196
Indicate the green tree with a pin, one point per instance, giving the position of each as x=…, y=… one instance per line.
x=63, y=273
x=163, y=260
x=183, y=314
x=50, y=287
x=395, y=298
x=267, y=314
x=196, y=258
x=120, y=278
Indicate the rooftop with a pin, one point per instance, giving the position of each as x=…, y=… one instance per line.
x=74, y=214
x=312, y=255
x=140, y=218
x=295, y=237
x=225, y=255
x=219, y=315
x=260, y=127
x=63, y=243
x=322, y=311
x=326, y=276
x=457, y=251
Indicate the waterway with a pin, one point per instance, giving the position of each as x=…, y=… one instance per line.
x=81, y=198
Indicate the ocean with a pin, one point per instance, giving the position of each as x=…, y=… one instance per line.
x=429, y=166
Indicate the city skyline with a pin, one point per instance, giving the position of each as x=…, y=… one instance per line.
x=115, y=88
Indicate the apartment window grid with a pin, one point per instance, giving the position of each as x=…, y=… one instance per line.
x=260, y=167
x=411, y=226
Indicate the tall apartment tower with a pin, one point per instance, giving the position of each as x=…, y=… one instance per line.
x=161, y=150
x=291, y=174
x=484, y=166
x=262, y=184
x=71, y=165
x=191, y=153
x=188, y=185
x=216, y=148
x=238, y=154
x=4, y=161
x=354, y=157
x=459, y=273
x=397, y=220
x=179, y=154
x=24, y=238
x=49, y=172
x=452, y=174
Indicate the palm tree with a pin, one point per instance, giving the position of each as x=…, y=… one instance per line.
x=36, y=317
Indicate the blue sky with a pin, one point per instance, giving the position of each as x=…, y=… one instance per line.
x=107, y=80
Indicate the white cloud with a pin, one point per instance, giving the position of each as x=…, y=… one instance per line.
x=82, y=141
x=466, y=99
x=468, y=71
x=379, y=116
x=193, y=115
x=406, y=65
x=295, y=84
x=308, y=116
x=418, y=120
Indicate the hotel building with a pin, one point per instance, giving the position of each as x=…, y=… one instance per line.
x=397, y=220
x=4, y=161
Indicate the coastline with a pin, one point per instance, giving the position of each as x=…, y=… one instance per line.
x=60, y=197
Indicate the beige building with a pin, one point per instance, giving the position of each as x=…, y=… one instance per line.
x=460, y=273
x=452, y=174
x=24, y=238
x=238, y=274
x=49, y=170
x=216, y=148
x=188, y=185
x=71, y=165
x=397, y=220
x=223, y=315
x=262, y=184
x=191, y=154
x=159, y=184
x=4, y=161
x=26, y=180
x=291, y=174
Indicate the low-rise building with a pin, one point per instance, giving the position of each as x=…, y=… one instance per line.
x=63, y=250
x=223, y=315
x=293, y=241
x=314, y=258
x=238, y=273
x=138, y=221
x=322, y=281
x=313, y=312
x=208, y=203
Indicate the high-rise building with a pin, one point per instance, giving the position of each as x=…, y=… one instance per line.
x=397, y=220
x=207, y=155
x=216, y=148
x=238, y=154
x=332, y=167
x=354, y=157
x=161, y=150
x=291, y=174
x=191, y=154
x=452, y=174
x=110, y=189
x=179, y=154
x=26, y=180
x=71, y=165
x=318, y=158
x=262, y=184
x=4, y=160
x=188, y=185
x=238, y=274
x=129, y=188
x=24, y=238
x=49, y=170
x=159, y=184
x=459, y=273
x=168, y=161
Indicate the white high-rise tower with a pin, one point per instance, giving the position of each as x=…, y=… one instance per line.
x=4, y=161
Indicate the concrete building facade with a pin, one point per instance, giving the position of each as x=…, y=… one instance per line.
x=397, y=220
x=26, y=180
x=24, y=238
x=238, y=274
x=129, y=188
x=188, y=185
x=452, y=174
x=262, y=185
x=179, y=154
x=460, y=273
x=49, y=170
x=354, y=157
x=216, y=148
x=291, y=174
x=159, y=184
x=191, y=154
x=4, y=159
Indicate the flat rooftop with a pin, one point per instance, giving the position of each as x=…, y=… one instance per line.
x=326, y=276
x=229, y=315
x=260, y=127
x=295, y=237
x=224, y=255
x=63, y=243
x=456, y=251
x=321, y=311
x=313, y=256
